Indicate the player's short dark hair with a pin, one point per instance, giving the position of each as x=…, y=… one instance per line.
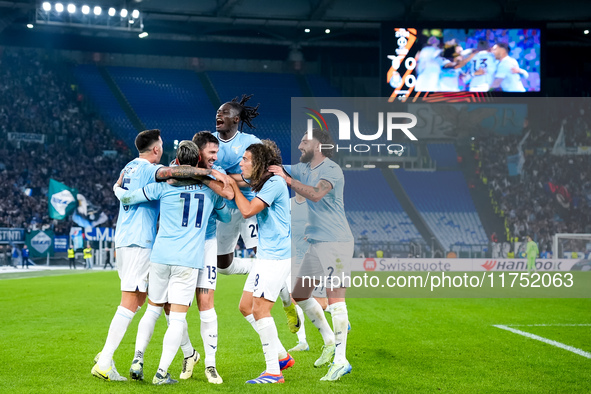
x=202, y=138
x=245, y=112
x=324, y=137
x=187, y=153
x=145, y=139
x=449, y=52
x=504, y=45
x=483, y=45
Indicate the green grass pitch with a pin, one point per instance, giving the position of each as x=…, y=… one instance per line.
x=51, y=328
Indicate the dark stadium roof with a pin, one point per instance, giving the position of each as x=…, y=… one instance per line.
x=353, y=23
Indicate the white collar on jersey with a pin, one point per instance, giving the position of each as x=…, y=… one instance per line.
x=226, y=141
x=319, y=164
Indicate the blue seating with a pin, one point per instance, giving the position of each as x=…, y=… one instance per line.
x=173, y=101
x=320, y=87
x=444, y=155
x=95, y=87
x=444, y=201
x=373, y=210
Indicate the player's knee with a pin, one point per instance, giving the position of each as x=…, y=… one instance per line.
x=261, y=308
x=245, y=308
x=224, y=261
x=323, y=302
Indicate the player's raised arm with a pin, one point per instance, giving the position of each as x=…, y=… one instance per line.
x=239, y=180
x=312, y=193
x=131, y=197
x=181, y=172
x=465, y=60
x=220, y=188
x=518, y=70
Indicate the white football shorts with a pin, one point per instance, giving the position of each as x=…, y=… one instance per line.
x=267, y=277
x=174, y=284
x=133, y=266
x=208, y=275
x=326, y=261
x=228, y=233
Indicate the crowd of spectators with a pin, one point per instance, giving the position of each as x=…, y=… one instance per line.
x=38, y=96
x=552, y=194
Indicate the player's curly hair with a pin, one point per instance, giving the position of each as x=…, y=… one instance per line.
x=245, y=112
x=263, y=155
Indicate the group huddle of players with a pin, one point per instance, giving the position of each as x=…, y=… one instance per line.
x=481, y=69
x=178, y=227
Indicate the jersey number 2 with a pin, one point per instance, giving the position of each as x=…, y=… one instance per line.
x=187, y=207
x=254, y=229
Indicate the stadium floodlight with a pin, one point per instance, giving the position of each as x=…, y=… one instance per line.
x=307, y=30
x=143, y=34
x=586, y=32
x=327, y=31
x=369, y=166
x=135, y=14
x=52, y=13
x=30, y=25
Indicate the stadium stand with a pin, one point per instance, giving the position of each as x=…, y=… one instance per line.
x=551, y=194
x=38, y=98
x=444, y=155
x=97, y=90
x=321, y=88
x=443, y=200
x=170, y=100
x=383, y=220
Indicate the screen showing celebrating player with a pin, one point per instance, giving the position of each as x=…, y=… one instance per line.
x=423, y=61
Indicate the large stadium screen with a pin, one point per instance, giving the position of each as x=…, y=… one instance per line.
x=459, y=62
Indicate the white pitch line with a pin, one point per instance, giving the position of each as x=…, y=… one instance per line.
x=548, y=341
x=548, y=325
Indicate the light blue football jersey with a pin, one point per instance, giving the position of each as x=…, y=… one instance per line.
x=185, y=211
x=274, y=221
x=136, y=224
x=230, y=155
x=299, y=220
x=212, y=222
x=326, y=218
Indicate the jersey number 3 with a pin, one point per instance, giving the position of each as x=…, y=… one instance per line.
x=187, y=207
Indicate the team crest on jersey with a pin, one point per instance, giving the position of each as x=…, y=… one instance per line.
x=235, y=148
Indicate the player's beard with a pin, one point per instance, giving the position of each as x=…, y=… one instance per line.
x=306, y=157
